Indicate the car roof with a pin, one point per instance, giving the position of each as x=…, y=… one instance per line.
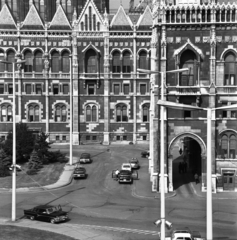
x=80, y=168
x=44, y=206
x=126, y=164
x=85, y=154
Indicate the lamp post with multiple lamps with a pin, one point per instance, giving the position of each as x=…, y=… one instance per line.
x=209, y=224
x=14, y=166
x=162, y=148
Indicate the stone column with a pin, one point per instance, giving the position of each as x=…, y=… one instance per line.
x=134, y=84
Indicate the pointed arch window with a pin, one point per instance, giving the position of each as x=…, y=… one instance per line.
x=91, y=61
x=55, y=61
x=38, y=61
x=126, y=62
x=91, y=113
x=10, y=58
x=116, y=62
x=33, y=113
x=28, y=66
x=60, y=113
x=121, y=113
x=230, y=69
x=145, y=113
x=65, y=62
x=2, y=65
x=188, y=60
x=6, y=113
x=228, y=145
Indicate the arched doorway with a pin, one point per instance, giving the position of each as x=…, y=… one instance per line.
x=185, y=148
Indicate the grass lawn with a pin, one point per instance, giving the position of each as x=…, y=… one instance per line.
x=21, y=233
x=49, y=174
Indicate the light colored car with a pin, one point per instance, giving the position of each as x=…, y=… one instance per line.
x=79, y=172
x=134, y=163
x=126, y=166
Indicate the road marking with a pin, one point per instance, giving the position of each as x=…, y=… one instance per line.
x=116, y=229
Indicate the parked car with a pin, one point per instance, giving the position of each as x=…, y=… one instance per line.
x=79, y=172
x=126, y=166
x=145, y=154
x=184, y=234
x=49, y=213
x=134, y=163
x=85, y=158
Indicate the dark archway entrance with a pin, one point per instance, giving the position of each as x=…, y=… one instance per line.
x=187, y=154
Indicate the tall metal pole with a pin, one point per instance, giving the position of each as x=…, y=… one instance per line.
x=209, y=227
x=14, y=147
x=70, y=157
x=162, y=164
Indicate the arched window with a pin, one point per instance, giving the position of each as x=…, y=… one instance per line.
x=126, y=62
x=2, y=65
x=121, y=113
x=60, y=113
x=228, y=145
x=230, y=69
x=145, y=113
x=82, y=26
x=10, y=58
x=38, y=61
x=6, y=113
x=55, y=61
x=98, y=26
x=188, y=60
x=65, y=62
x=116, y=62
x=91, y=113
x=33, y=113
x=91, y=61
x=143, y=62
x=28, y=67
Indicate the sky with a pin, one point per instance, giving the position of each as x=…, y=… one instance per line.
x=114, y=4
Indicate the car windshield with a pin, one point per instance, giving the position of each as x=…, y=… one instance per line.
x=85, y=155
x=79, y=170
x=53, y=209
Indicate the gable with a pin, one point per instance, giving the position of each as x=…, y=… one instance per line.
x=33, y=19
x=91, y=13
x=146, y=18
x=6, y=18
x=60, y=20
x=121, y=19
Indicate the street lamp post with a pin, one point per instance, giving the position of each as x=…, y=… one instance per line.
x=162, y=149
x=209, y=224
x=13, y=137
x=71, y=99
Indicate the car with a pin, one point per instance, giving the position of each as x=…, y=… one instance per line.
x=125, y=176
x=48, y=213
x=145, y=154
x=85, y=158
x=134, y=163
x=79, y=172
x=126, y=166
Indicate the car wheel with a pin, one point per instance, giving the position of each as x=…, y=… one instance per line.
x=52, y=220
x=32, y=218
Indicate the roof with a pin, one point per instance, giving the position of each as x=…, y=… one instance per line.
x=6, y=18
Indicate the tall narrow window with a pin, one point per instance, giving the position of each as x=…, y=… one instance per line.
x=33, y=113
x=116, y=62
x=55, y=61
x=10, y=88
x=91, y=89
x=224, y=146
x=230, y=69
x=10, y=58
x=60, y=113
x=1, y=88
x=65, y=62
x=145, y=113
x=90, y=19
x=224, y=112
x=28, y=67
x=94, y=22
x=55, y=89
x=82, y=26
x=143, y=89
x=6, y=113
x=121, y=113
x=91, y=113
x=126, y=88
x=38, y=62
x=91, y=61
x=86, y=22
x=2, y=65
x=188, y=60
x=126, y=63
x=65, y=89
x=28, y=88
x=232, y=146
x=116, y=88
x=143, y=63
x=38, y=88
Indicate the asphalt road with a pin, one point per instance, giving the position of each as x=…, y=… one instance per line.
x=100, y=202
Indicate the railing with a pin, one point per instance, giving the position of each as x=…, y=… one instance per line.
x=227, y=89
x=204, y=13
